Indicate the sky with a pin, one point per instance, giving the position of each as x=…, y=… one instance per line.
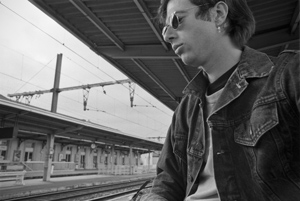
x=29, y=44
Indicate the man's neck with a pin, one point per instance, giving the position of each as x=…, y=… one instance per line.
x=224, y=59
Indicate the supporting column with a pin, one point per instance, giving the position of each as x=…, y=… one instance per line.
x=149, y=161
x=138, y=158
x=130, y=161
x=9, y=150
x=49, y=156
x=113, y=159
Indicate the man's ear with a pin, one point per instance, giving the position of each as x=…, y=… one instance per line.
x=221, y=12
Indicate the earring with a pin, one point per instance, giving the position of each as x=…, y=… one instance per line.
x=219, y=29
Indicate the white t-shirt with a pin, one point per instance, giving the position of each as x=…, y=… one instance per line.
x=207, y=189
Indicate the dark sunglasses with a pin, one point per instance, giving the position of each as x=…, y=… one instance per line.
x=175, y=20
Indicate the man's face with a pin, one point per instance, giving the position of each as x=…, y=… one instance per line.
x=194, y=39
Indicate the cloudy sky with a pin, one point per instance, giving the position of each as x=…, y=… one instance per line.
x=29, y=44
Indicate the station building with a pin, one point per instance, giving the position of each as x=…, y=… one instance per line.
x=25, y=133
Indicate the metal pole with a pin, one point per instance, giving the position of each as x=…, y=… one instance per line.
x=50, y=137
x=56, y=83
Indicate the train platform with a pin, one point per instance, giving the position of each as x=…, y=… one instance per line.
x=62, y=180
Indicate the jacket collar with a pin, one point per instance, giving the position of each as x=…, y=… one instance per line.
x=252, y=64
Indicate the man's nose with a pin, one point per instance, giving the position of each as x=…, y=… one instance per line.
x=168, y=34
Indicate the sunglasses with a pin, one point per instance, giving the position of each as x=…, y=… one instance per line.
x=175, y=20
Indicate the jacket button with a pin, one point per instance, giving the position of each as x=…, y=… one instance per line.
x=220, y=152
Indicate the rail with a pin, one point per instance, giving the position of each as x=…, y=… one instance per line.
x=117, y=195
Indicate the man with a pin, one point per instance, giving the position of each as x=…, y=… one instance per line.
x=236, y=133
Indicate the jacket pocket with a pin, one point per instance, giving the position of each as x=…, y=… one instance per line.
x=180, y=146
x=262, y=119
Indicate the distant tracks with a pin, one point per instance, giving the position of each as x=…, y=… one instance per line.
x=96, y=193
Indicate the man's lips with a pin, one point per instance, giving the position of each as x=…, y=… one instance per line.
x=175, y=47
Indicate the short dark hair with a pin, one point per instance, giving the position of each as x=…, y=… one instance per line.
x=240, y=20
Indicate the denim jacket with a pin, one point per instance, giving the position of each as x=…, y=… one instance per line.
x=255, y=134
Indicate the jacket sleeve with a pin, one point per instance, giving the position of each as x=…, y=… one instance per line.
x=290, y=79
x=169, y=184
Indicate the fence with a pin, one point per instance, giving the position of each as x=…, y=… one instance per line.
x=125, y=169
x=39, y=165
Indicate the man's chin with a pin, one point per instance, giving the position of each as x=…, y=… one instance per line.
x=186, y=61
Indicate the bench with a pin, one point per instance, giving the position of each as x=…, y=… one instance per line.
x=17, y=176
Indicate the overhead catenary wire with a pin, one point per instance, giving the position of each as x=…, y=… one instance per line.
x=135, y=110
x=64, y=74
x=35, y=74
x=84, y=68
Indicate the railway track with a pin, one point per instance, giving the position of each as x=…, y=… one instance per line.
x=93, y=193
x=116, y=195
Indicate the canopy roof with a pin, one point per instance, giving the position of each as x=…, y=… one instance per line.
x=35, y=123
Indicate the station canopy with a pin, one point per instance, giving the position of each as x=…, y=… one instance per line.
x=126, y=34
x=33, y=123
